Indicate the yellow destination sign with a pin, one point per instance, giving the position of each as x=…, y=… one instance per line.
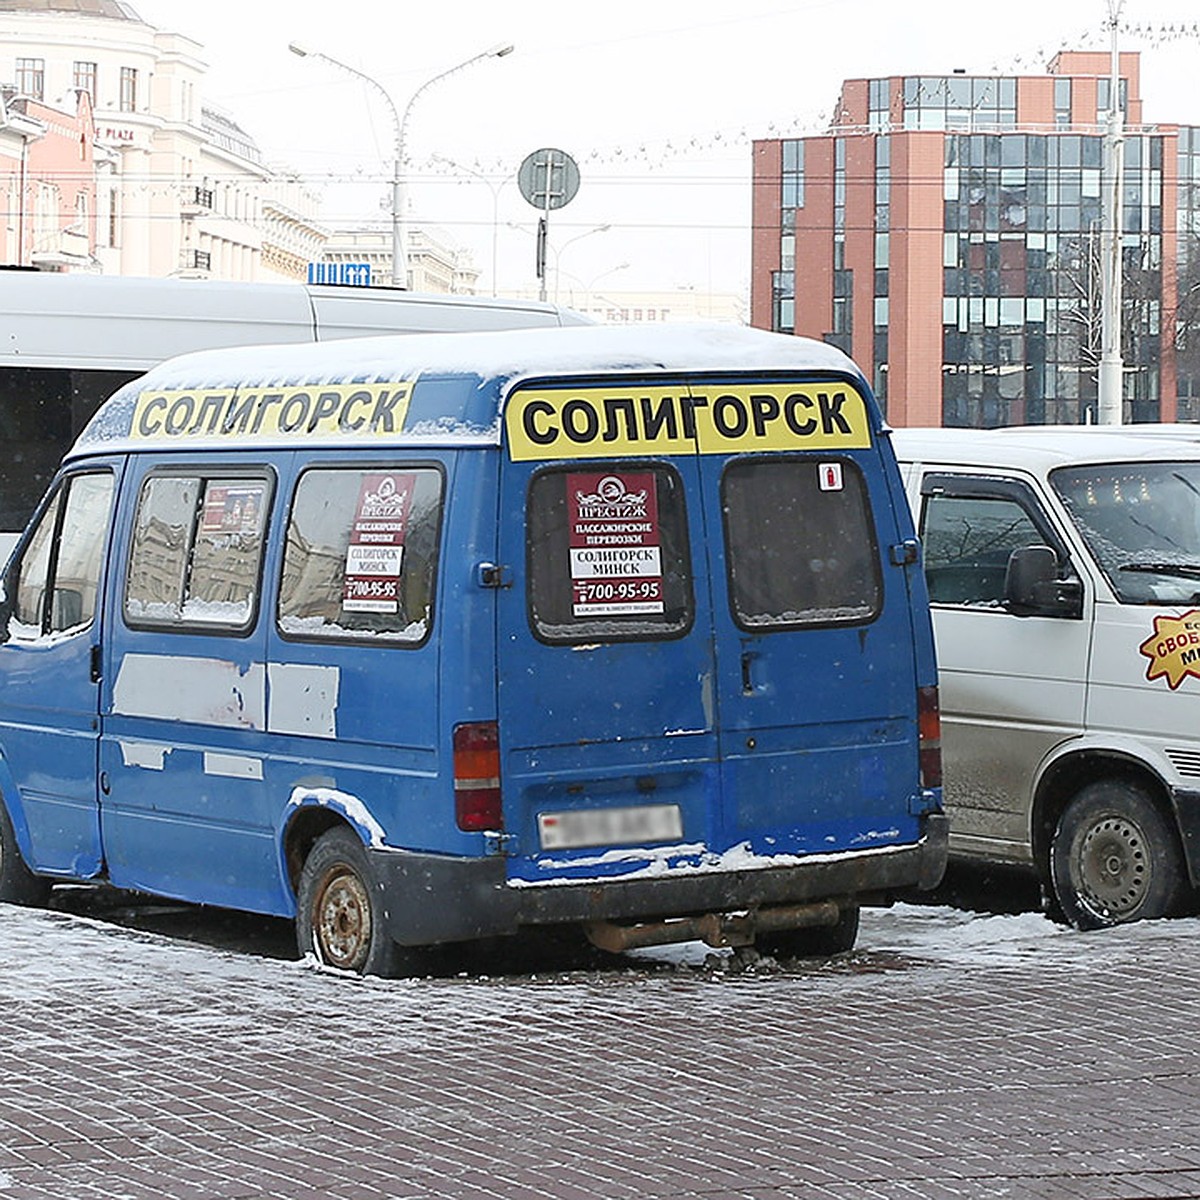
x=349, y=410
x=615, y=422
x=1174, y=648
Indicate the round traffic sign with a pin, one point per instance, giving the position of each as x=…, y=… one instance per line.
x=548, y=178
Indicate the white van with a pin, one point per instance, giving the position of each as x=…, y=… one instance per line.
x=69, y=341
x=1063, y=567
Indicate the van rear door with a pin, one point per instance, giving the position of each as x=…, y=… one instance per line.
x=607, y=720
x=816, y=676
x=702, y=649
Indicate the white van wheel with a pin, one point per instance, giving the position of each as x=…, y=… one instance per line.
x=339, y=915
x=18, y=884
x=1115, y=858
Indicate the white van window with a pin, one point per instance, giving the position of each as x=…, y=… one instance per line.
x=361, y=554
x=196, y=557
x=801, y=544
x=63, y=560
x=1141, y=521
x=968, y=541
x=608, y=556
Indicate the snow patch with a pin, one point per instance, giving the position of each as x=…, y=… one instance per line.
x=698, y=860
x=349, y=806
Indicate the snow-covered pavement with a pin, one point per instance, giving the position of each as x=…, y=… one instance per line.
x=950, y=1056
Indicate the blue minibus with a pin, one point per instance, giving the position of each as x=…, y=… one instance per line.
x=428, y=639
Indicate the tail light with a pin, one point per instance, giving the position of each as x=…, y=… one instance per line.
x=929, y=737
x=477, y=777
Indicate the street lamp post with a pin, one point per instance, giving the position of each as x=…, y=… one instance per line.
x=400, y=129
x=588, y=286
x=559, y=251
x=495, y=189
x=1110, y=408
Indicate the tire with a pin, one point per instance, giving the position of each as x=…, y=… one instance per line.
x=1115, y=858
x=813, y=941
x=18, y=884
x=339, y=911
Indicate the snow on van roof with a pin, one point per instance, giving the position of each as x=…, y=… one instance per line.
x=1044, y=447
x=486, y=362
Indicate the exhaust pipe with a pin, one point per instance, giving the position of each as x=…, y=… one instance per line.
x=719, y=930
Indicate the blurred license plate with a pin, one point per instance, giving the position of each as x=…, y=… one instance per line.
x=610, y=826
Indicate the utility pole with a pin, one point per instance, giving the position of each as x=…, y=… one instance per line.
x=1112, y=369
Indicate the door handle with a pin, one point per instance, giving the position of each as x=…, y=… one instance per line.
x=747, y=680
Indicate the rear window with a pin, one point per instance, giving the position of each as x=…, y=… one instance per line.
x=801, y=544
x=361, y=555
x=608, y=555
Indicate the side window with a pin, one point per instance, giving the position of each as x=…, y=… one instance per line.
x=608, y=556
x=800, y=543
x=58, y=578
x=968, y=540
x=196, y=558
x=361, y=555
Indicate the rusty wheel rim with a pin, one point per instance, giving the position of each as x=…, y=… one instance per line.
x=342, y=920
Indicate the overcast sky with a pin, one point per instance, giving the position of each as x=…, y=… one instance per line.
x=657, y=100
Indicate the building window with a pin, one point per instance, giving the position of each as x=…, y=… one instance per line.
x=792, y=195
x=1103, y=91
x=129, y=82
x=787, y=252
x=879, y=103
x=85, y=79
x=959, y=102
x=783, y=297
x=31, y=77
x=1062, y=102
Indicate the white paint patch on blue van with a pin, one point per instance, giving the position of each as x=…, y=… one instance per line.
x=204, y=691
x=303, y=699
x=232, y=766
x=144, y=754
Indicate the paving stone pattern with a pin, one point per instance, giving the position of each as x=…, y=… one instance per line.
x=134, y=1067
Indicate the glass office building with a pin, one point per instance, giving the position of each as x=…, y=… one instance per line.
x=947, y=232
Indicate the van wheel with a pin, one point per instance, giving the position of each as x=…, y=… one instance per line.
x=1115, y=858
x=18, y=884
x=339, y=914
x=813, y=941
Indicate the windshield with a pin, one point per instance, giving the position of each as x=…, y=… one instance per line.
x=1141, y=521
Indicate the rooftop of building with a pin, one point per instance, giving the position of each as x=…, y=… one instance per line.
x=116, y=10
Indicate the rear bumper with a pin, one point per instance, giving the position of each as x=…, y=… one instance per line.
x=431, y=898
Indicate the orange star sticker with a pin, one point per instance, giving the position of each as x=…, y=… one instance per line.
x=1174, y=648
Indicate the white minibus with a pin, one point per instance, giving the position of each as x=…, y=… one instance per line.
x=67, y=342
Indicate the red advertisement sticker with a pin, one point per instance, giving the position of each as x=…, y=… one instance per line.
x=232, y=508
x=616, y=560
x=375, y=554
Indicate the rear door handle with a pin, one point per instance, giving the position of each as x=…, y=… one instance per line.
x=747, y=681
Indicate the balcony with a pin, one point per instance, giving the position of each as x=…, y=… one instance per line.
x=195, y=264
x=196, y=201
